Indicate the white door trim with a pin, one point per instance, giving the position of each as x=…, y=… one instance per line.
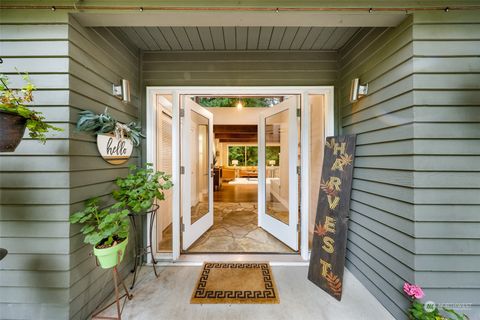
x=327, y=91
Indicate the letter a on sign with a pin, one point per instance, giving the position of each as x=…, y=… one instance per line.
x=327, y=259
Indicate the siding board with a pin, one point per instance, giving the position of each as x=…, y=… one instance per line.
x=436, y=158
x=98, y=60
x=382, y=226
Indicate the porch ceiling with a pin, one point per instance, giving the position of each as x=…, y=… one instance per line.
x=235, y=38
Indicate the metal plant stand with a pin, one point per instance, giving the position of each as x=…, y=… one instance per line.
x=125, y=296
x=139, y=250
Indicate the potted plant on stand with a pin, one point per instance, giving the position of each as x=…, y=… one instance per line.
x=15, y=116
x=138, y=192
x=105, y=229
x=139, y=189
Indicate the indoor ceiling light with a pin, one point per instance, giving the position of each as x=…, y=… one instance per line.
x=239, y=105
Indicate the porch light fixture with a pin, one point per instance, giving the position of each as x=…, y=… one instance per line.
x=357, y=90
x=122, y=90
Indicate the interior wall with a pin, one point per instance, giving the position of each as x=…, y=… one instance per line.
x=234, y=116
x=317, y=143
x=164, y=164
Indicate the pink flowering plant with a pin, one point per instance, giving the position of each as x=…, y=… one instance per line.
x=418, y=311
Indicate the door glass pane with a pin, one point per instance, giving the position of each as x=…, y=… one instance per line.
x=276, y=161
x=200, y=167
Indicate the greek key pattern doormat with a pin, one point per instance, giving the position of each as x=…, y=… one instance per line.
x=245, y=282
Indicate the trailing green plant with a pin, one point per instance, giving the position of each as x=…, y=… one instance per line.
x=429, y=311
x=139, y=189
x=102, y=227
x=16, y=101
x=93, y=123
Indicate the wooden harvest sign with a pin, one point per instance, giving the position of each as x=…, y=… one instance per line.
x=327, y=259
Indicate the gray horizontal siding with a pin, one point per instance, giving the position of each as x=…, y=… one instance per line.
x=239, y=68
x=447, y=205
x=34, y=277
x=97, y=60
x=48, y=272
x=414, y=210
x=381, y=242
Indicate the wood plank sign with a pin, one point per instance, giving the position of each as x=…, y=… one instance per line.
x=114, y=150
x=327, y=259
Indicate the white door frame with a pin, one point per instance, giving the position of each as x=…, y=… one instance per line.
x=150, y=144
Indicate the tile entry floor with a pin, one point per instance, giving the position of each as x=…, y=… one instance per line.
x=235, y=229
x=168, y=297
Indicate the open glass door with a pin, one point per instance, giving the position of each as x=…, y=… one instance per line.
x=197, y=183
x=277, y=172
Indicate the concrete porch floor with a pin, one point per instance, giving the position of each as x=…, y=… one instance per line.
x=168, y=297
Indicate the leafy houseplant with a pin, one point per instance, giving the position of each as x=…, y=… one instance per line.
x=104, y=123
x=106, y=229
x=15, y=115
x=139, y=189
x=420, y=311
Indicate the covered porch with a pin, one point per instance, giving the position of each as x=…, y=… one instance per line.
x=414, y=203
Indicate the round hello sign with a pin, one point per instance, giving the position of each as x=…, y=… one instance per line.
x=114, y=150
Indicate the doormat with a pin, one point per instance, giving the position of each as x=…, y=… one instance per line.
x=227, y=283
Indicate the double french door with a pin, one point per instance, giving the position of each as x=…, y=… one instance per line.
x=278, y=158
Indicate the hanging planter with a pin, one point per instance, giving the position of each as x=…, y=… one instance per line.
x=12, y=128
x=15, y=116
x=115, y=140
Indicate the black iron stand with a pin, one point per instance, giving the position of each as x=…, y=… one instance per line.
x=139, y=250
x=125, y=296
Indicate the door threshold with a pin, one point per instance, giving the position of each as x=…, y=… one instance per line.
x=199, y=259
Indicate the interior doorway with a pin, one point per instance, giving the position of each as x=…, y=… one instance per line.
x=241, y=196
x=237, y=227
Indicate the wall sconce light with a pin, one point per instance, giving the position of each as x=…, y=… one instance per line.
x=357, y=90
x=122, y=91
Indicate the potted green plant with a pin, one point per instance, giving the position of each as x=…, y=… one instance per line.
x=15, y=116
x=139, y=189
x=106, y=229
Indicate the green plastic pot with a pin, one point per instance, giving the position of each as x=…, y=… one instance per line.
x=108, y=257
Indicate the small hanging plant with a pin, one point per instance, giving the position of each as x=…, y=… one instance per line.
x=104, y=123
x=16, y=115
